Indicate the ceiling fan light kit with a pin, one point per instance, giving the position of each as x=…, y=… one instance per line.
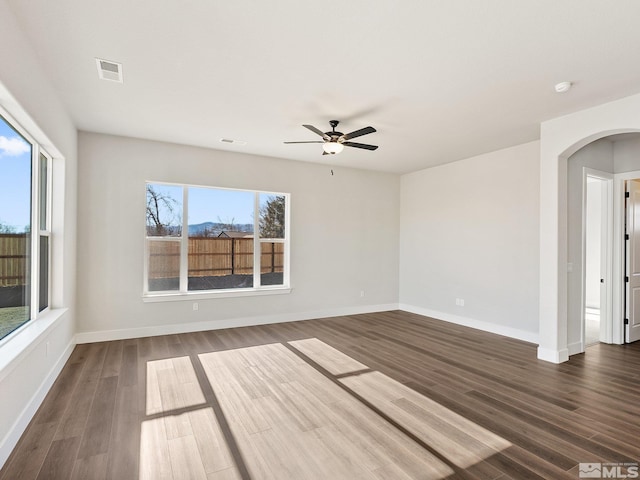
x=563, y=87
x=334, y=142
x=332, y=147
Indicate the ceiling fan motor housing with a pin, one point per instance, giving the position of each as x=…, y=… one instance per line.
x=334, y=135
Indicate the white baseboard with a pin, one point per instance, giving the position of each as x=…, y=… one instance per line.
x=108, y=335
x=575, y=348
x=553, y=356
x=17, y=429
x=473, y=323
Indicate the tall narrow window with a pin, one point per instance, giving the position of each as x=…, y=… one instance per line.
x=164, y=235
x=25, y=227
x=272, y=238
x=15, y=228
x=214, y=239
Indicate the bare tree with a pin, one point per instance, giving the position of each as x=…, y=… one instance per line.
x=163, y=214
x=228, y=224
x=272, y=217
x=6, y=228
x=208, y=232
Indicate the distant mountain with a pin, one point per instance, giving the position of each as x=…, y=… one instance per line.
x=213, y=229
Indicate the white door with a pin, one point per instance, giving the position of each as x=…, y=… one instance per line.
x=594, y=286
x=632, y=320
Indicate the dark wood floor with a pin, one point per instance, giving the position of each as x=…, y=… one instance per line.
x=554, y=416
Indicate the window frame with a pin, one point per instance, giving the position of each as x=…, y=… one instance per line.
x=35, y=231
x=183, y=293
x=42, y=232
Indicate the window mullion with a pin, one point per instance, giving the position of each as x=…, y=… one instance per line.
x=257, y=250
x=184, y=242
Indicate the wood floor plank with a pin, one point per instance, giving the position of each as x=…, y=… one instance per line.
x=186, y=463
x=94, y=468
x=60, y=394
x=28, y=456
x=97, y=433
x=228, y=474
x=60, y=459
x=155, y=463
x=113, y=359
x=123, y=459
x=76, y=414
x=328, y=357
x=129, y=371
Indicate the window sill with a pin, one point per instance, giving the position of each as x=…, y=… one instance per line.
x=209, y=294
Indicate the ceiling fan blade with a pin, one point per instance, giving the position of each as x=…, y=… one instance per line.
x=360, y=145
x=317, y=131
x=314, y=141
x=358, y=133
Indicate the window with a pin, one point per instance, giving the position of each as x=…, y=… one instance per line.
x=25, y=192
x=214, y=240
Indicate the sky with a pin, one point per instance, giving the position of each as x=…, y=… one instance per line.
x=15, y=178
x=211, y=205
x=224, y=206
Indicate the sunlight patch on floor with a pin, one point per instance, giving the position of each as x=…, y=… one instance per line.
x=316, y=414
x=290, y=421
x=463, y=442
x=199, y=452
x=172, y=384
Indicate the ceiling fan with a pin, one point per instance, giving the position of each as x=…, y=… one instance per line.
x=333, y=142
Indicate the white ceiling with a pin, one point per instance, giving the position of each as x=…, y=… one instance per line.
x=440, y=80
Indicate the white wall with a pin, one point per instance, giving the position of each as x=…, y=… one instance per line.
x=626, y=154
x=26, y=372
x=344, y=237
x=469, y=230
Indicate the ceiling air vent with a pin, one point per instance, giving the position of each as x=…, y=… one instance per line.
x=108, y=70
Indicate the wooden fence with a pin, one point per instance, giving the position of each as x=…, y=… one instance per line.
x=213, y=256
x=14, y=258
x=207, y=257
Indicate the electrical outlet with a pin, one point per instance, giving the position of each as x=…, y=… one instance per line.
x=460, y=302
x=195, y=306
x=362, y=293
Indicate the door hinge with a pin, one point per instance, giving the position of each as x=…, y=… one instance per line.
x=626, y=321
x=626, y=194
x=626, y=279
x=626, y=236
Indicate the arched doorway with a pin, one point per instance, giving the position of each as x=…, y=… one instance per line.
x=595, y=245
x=560, y=138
